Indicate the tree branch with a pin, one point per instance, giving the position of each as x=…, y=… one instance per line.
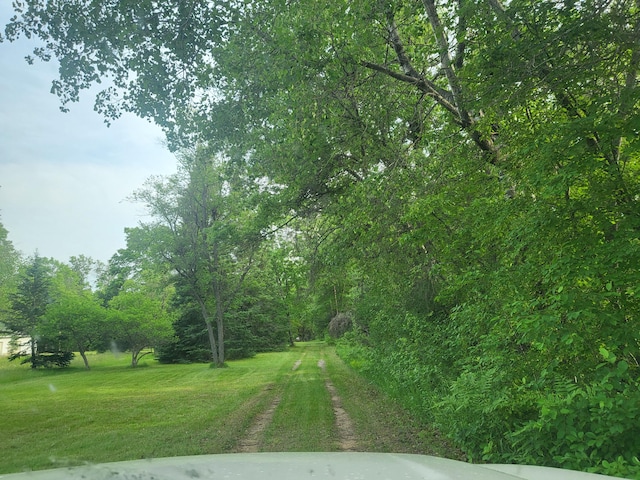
x=461, y=30
x=279, y=227
x=407, y=67
x=429, y=88
x=453, y=100
x=398, y=47
x=445, y=62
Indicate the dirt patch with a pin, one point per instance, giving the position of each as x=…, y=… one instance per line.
x=251, y=441
x=347, y=439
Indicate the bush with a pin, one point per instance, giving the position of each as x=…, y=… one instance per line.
x=45, y=359
x=339, y=325
x=592, y=427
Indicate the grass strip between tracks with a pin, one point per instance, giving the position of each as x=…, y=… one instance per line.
x=303, y=421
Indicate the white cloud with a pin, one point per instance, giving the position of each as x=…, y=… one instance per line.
x=65, y=209
x=64, y=177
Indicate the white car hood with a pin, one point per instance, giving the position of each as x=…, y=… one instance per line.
x=300, y=466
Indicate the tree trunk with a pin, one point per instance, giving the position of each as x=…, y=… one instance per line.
x=212, y=338
x=212, y=342
x=134, y=357
x=220, y=325
x=83, y=354
x=33, y=352
x=217, y=293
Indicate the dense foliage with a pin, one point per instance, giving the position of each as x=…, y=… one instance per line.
x=9, y=261
x=459, y=179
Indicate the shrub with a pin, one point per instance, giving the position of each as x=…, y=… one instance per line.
x=590, y=427
x=45, y=359
x=339, y=325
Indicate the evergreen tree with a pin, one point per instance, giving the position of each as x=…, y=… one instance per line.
x=9, y=263
x=29, y=305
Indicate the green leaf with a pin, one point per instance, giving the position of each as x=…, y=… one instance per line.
x=605, y=353
x=623, y=366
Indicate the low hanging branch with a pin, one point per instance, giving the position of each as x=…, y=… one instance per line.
x=446, y=64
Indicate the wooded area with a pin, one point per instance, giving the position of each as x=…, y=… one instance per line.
x=450, y=187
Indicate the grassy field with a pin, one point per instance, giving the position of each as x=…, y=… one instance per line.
x=53, y=418
x=113, y=412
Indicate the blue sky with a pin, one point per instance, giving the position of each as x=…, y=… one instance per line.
x=64, y=177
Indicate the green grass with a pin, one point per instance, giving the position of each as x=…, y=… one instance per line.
x=55, y=417
x=60, y=417
x=303, y=421
x=380, y=423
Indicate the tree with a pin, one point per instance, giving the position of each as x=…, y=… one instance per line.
x=9, y=262
x=83, y=266
x=75, y=317
x=256, y=319
x=125, y=264
x=287, y=279
x=204, y=232
x=29, y=303
x=191, y=341
x=139, y=321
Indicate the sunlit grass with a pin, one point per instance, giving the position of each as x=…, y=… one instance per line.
x=113, y=412
x=60, y=417
x=304, y=418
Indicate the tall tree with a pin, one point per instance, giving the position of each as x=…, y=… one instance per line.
x=9, y=263
x=204, y=232
x=84, y=267
x=30, y=301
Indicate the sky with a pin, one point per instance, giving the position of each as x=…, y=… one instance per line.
x=65, y=177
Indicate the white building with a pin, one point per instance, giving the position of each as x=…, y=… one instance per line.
x=9, y=345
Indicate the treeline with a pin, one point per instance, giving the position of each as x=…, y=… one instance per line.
x=455, y=184
x=50, y=311
x=53, y=310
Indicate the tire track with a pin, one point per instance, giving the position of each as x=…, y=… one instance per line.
x=250, y=443
x=347, y=439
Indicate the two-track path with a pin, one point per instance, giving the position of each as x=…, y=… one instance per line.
x=345, y=437
x=323, y=405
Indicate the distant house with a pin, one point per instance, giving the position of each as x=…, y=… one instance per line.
x=9, y=344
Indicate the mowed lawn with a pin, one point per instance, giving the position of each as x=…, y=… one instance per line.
x=60, y=417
